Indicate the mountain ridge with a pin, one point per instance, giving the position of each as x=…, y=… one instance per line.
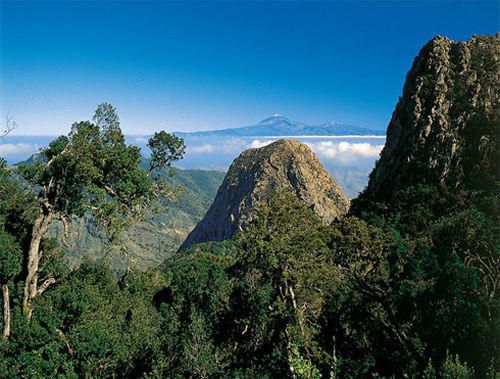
x=281, y=126
x=444, y=130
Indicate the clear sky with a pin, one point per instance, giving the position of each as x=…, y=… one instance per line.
x=206, y=65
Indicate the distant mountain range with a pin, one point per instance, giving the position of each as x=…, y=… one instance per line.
x=281, y=126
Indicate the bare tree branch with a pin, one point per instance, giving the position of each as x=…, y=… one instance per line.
x=9, y=126
x=45, y=285
x=65, y=223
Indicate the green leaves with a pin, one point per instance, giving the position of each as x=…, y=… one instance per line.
x=283, y=275
x=92, y=324
x=92, y=169
x=194, y=308
x=10, y=257
x=107, y=120
x=165, y=149
x=347, y=300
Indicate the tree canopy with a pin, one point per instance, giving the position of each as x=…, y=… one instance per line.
x=406, y=289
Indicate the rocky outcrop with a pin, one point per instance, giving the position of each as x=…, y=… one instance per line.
x=444, y=129
x=257, y=174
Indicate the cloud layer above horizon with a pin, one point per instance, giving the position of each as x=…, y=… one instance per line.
x=343, y=152
x=8, y=150
x=217, y=153
x=346, y=152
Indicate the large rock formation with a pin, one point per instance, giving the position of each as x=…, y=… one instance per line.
x=283, y=166
x=444, y=129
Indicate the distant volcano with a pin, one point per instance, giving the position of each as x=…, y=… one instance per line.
x=281, y=126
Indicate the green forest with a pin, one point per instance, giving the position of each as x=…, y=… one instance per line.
x=399, y=288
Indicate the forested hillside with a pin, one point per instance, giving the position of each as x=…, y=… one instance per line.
x=149, y=240
x=153, y=238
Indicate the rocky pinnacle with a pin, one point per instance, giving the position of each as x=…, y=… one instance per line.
x=257, y=174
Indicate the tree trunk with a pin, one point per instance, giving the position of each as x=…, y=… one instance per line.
x=285, y=295
x=289, y=354
x=6, y=312
x=30, y=285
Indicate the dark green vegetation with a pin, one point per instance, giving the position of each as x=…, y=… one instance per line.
x=405, y=286
x=150, y=239
x=92, y=170
x=288, y=297
x=153, y=238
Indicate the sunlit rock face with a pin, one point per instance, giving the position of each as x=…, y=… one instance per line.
x=444, y=129
x=255, y=176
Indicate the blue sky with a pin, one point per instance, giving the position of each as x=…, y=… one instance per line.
x=207, y=65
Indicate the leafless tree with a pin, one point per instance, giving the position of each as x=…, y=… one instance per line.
x=9, y=126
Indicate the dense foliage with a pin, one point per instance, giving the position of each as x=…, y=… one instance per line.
x=157, y=235
x=388, y=297
x=400, y=289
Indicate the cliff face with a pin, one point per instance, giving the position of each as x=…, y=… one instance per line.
x=283, y=166
x=444, y=129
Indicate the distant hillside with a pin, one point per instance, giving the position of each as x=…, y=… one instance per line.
x=157, y=236
x=280, y=126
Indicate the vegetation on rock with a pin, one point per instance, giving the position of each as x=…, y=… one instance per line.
x=255, y=176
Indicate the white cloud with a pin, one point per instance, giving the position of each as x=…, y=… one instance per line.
x=345, y=151
x=340, y=152
x=230, y=145
x=257, y=143
x=9, y=149
x=206, y=148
